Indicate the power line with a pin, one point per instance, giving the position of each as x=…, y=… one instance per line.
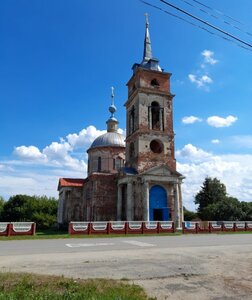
x=195, y=25
x=206, y=23
x=218, y=11
x=217, y=17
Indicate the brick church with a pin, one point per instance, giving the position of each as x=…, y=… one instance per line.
x=134, y=178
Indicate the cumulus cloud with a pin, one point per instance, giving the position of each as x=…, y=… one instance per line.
x=235, y=171
x=209, y=57
x=29, y=153
x=191, y=153
x=62, y=153
x=200, y=81
x=84, y=138
x=190, y=120
x=216, y=121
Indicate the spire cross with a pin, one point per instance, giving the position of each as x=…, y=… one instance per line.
x=112, y=95
x=146, y=17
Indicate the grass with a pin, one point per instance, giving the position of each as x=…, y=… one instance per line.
x=19, y=286
x=56, y=234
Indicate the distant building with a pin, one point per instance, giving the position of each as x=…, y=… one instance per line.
x=136, y=180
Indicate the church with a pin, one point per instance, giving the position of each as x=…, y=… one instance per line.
x=135, y=178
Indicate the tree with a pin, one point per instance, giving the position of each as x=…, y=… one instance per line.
x=211, y=192
x=41, y=210
x=215, y=204
x=246, y=211
x=189, y=215
x=228, y=209
x=1, y=206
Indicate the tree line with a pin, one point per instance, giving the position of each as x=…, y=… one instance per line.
x=214, y=204
x=213, y=201
x=23, y=208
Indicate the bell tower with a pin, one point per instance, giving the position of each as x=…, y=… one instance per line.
x=149, y=135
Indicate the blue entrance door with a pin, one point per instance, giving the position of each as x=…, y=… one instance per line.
x=158, y=207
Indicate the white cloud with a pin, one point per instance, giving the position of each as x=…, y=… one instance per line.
x=200, y=81
x=209, y=57
x=191, y=120
x=201, y=77
x=215, y=141
x=84, y=138
x=37, y=171
x=192, y=153
x=235, y=171
x=29, y=153
x=217, y=122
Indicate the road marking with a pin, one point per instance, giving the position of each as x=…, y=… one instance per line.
x=89, y=245
x=140, y=244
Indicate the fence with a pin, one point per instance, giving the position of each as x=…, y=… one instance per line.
x=121, y=227
x=17, y=228
x=216, y=226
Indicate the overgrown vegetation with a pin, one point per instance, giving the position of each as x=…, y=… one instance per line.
x=39, y=287
x=20, y=208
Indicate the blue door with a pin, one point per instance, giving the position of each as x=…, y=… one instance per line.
x=158, y=207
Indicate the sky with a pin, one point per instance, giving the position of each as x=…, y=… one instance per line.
x=60, y=58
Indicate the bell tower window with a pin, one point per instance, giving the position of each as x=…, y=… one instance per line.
x=156, y=116
x=132, y=120
x=131, y=150
x=154, y=83
x=99, y=164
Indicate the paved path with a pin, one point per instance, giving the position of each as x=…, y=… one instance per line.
x=189, y=266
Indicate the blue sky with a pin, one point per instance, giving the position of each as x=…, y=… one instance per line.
x=59, y=59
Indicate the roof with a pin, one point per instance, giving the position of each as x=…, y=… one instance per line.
x=71, y=182
x=109, y=139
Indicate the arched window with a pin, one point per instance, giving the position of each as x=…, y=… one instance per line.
x=132, y=120
x=155, y=115
x=131, y=150
x=99, y=164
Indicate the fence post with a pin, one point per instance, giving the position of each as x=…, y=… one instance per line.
x=126, y=227
x=9, y=229
x=197, y=227
x=183, y=227
x=33, y=228
x=108, y=227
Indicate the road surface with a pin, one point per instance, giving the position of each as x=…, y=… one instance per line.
x=168, y=267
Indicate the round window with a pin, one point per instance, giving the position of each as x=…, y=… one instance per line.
x=156, y=146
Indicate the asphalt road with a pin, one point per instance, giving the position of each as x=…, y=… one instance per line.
x=169, y=267
x=26, y=247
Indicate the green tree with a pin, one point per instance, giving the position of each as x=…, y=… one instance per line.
x=41, y=210
x=211, y=192
x=246, y=211
x=189, y=215
x=1, y=206
x=228, y=209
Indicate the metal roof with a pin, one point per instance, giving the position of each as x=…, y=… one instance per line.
x=109, y=139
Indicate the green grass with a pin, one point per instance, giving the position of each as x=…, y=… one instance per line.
x=55, y=234
x=18, y=286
